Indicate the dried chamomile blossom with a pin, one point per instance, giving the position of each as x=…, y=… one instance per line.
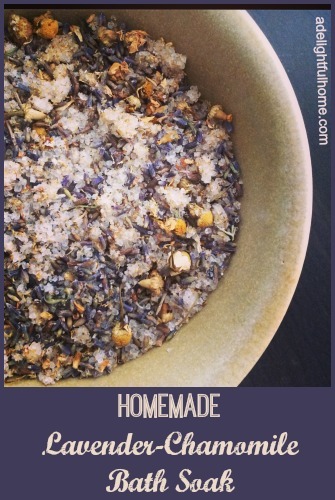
x=135, y=39
x=185, y=184
x=107, y=37
x=206, y=219
x=154, y=283
x=194, y=209
x=221, y=219
x=40, y=131
x=184, y=107
x=133, y=103
x=20, y=29
x=32, y=352
x=216, y=114
x=46, y=26
x=31, y=114
x=169, y=137
x=152, y=107
x=121, y=334
x=146, y=89
x=118, y=71
x=165, y=315
x=179, y=262
x=178, y=226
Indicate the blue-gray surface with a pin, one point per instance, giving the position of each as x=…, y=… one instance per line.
x=299, y=354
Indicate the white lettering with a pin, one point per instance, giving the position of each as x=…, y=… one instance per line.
x=213, y=484
x=149, y=484
x=165, y=405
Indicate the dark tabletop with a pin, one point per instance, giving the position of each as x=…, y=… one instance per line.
x=299, y=354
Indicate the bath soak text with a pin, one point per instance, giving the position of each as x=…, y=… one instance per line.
x=174, y=444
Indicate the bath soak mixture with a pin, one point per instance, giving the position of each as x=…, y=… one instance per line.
x=121, y=196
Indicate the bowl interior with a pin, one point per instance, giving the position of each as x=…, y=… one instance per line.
x=233, y=64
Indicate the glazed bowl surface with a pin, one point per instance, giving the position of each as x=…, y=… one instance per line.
x=232, y=63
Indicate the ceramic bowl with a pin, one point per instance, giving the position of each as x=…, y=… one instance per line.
x=232, y=62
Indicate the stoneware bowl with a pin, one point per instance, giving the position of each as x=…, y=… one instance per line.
x=233, y=64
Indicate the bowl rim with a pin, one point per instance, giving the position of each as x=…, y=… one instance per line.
x=308, y=189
